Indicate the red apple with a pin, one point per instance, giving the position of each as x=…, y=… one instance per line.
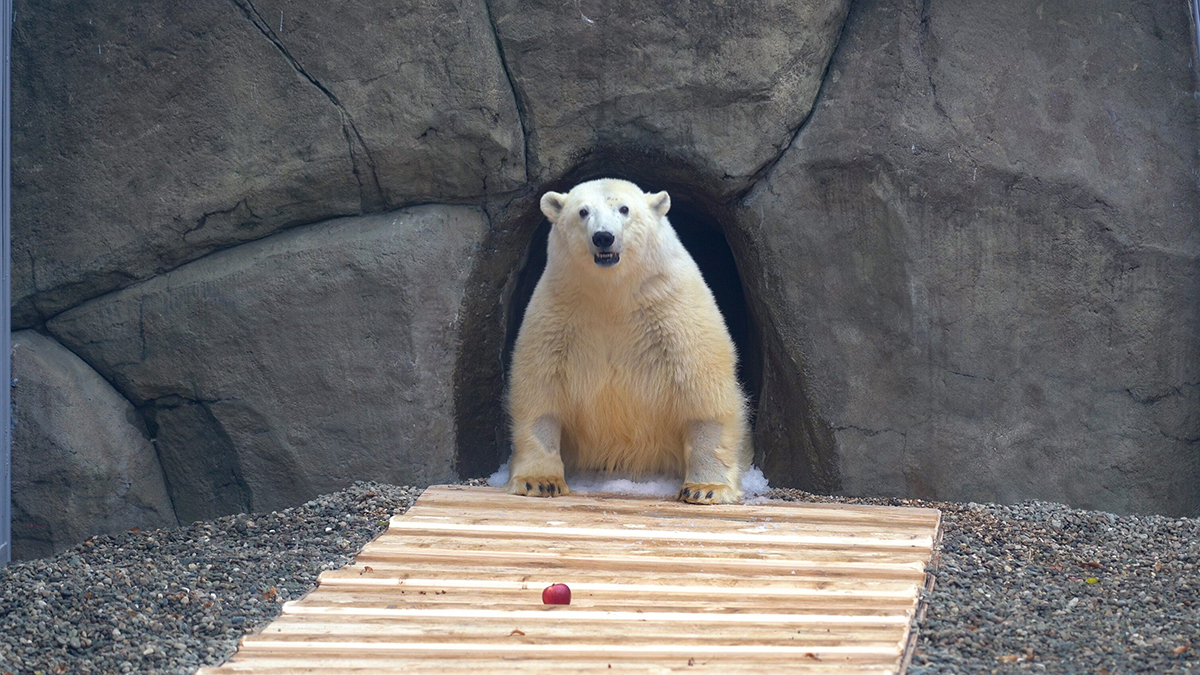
x=556, y=594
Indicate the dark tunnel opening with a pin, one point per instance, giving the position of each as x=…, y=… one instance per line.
x=793, y=446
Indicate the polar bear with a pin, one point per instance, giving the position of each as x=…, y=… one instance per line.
x=623, y=361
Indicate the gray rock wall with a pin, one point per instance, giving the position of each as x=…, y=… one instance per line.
x=147, y=134
x=719, y=85
x=82, y=464
x=292, y=366
x=292, y=235
x=983, y=247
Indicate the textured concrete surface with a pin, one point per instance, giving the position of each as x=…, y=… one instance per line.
x=296, y=363
x=82, y=464
x=722, y=85
x=983, y=250
x=147, y=134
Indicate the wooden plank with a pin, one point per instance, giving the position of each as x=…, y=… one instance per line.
x=735, y=587
x=496, y=498
x=856, y=649
x=581, y=630
x=657, y=587
x=826, y=652
x=552, y=530
x=323, y=664
x=495, y=635
x=492, y=541
x=631, y=512
x=385, y=553
x=548, y=572
x=693, y=522
x=566, y=613
x=396, y=596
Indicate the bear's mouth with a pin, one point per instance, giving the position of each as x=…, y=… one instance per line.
x=607, y=258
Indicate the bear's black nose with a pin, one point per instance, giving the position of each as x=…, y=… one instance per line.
x=603, y=239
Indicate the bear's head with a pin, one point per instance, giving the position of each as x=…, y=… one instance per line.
x=606, y=223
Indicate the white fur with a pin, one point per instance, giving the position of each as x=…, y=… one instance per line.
x=626, y=368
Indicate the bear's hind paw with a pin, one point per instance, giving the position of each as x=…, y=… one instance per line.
x=539, y=486
x=706, y=493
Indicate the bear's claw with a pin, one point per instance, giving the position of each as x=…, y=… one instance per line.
x=706, y=493
x=539, y=486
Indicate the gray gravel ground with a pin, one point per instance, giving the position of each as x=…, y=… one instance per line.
x=170, y=601
x=1035, y=587
x=1038, y=587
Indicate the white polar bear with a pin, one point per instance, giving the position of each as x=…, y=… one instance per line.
x=623, y=361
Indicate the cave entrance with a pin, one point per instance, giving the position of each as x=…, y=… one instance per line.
x=516, y=257
x=792, y=445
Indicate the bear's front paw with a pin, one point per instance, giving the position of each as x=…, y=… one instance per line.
x=538, y=486
x=706, y=493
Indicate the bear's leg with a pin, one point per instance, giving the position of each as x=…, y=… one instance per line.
x=710, y=478
x=536, y=465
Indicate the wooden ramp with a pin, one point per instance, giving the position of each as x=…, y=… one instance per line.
x=454, y=587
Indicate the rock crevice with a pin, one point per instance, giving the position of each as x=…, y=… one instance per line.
x=297, y=362
x=82, y=463
x=370, y=194
x=204, y=127
x=764, y=171
x=518, y=95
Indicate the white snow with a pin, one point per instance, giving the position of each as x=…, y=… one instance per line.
x=754, y=484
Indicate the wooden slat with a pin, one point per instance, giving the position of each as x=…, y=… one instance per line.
x=657, y=587
x=625, y=636
x=552, y=530
x=789, y=587
x=627, y=519
x=467, y=497
x=490, y=541
x=258, y=644
x=549, y=573
x=582, y=630
x=385, y=553
x=322, y=664
x=512, y=598
x=299, y=662
x=562, y=614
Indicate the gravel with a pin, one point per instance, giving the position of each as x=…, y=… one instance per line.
x=1033, y=587
x=170, y=601
x=1039, y=587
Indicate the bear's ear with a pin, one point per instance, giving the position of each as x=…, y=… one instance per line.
x=661, y=203
x=552, y=205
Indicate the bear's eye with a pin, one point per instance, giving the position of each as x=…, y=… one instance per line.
x=583, y=213
x=624, y=210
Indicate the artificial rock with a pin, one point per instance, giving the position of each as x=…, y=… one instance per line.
x=300, y=362
x=81, y=462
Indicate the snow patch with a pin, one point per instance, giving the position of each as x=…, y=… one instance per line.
x=499, y=478
x=754, y=484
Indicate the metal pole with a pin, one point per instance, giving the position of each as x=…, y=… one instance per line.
x=5, y=297
x=1196, y=27
x=1196, y=32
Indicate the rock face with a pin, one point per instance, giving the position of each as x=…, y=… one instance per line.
x=722, y=86
x=967, y=234
x=199, y=458
x=295, y=364
x=983, y=250
x=147, y=133
x=81, y=462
